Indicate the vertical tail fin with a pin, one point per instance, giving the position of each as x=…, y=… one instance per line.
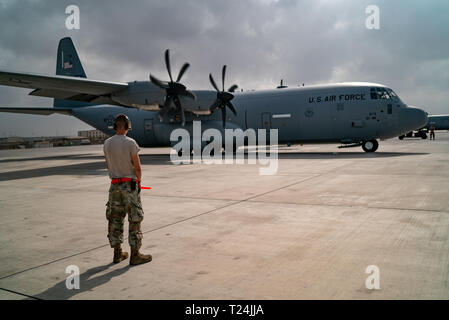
x=68, y=64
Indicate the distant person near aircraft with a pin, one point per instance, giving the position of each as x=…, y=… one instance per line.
x=432, y=132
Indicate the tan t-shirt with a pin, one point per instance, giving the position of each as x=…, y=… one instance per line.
x=118, y=151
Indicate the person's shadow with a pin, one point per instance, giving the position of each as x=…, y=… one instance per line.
x=87, y=283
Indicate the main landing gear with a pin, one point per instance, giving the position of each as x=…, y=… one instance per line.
x=370, y=145
x=367, y=146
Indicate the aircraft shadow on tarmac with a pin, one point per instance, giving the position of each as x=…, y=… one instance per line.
x=87, y=283
x=98, y=168
x=345, y=155
x=63, y=157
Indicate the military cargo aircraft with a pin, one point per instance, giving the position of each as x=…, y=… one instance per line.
x=352, y=114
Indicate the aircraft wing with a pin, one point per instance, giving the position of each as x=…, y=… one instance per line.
x=37, y=110
x=62, y=87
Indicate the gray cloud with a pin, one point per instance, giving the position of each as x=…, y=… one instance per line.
x=260, y=41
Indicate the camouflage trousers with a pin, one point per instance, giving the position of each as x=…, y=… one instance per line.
x=122, y=201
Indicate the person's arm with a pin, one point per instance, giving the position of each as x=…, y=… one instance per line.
x=137, y=167
x=105, y=159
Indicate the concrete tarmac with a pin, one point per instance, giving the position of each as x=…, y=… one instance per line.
x=225, y=232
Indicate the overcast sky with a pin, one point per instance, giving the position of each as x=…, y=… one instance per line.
x=261, y=41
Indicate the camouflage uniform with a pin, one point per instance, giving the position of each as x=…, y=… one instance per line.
x=122, y=201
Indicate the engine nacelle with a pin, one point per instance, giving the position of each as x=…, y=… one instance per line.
x=140, y=94
x=144, y=95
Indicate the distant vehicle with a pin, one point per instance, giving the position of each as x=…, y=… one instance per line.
x=440, y=122
x=421, y=133
x=352, y=114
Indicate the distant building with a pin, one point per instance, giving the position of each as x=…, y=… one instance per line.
x=43, y=142
x=95, y=136
x=12, y=143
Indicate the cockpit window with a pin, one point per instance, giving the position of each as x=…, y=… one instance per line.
x=382, y=93
x=393, y=95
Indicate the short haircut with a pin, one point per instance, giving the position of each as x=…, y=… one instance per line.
x=121, y=121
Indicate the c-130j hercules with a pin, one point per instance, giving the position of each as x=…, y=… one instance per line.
x=352, y=114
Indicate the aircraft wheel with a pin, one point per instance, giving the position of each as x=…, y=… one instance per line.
x=370, y=145
x=401, y=137
x=424, y=136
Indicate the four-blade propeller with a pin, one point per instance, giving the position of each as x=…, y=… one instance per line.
x=223, y=97
x=174, y=90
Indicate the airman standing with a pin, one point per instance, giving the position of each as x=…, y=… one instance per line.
x=123, y=163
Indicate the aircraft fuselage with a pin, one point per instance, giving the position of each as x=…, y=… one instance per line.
x=342, y=113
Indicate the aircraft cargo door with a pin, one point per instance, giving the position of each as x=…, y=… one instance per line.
x=266, y=120
x=315, y=123
x=340, y=122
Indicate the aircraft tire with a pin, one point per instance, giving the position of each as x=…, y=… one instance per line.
x=401, y=137
x=370, y=145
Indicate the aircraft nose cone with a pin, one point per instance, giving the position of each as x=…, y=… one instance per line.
x=412, y=119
